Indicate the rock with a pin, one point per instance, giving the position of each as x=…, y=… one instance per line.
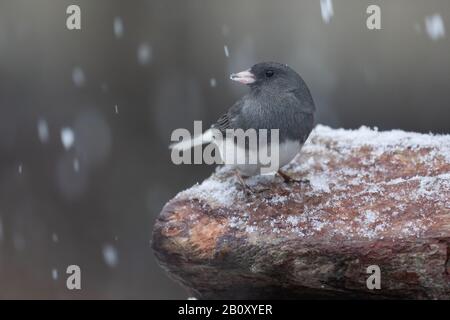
x=373, y=198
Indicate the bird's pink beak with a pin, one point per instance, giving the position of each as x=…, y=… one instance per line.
x=245, y=77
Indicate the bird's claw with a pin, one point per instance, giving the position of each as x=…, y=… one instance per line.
x=289, y=179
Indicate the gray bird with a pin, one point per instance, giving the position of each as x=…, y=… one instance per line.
x=278, y=99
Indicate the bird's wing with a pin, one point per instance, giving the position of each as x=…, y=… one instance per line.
x=223, y=123
x=184, y=145
x=228, y=120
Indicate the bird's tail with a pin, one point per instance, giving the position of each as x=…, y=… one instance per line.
x=184, y=145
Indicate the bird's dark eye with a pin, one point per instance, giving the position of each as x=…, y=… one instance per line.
x=269, y=73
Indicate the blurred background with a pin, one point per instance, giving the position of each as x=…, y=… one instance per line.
x=86, y=116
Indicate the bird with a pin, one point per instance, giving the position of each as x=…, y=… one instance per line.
x=278, y=98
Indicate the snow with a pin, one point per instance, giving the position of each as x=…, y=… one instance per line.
x=293, y=220
x=238, y=222
x=430, y=186
x=385, y=141
x=67, y=137
x=435, y=27
x=78, y=77
x=20, y=169
x=144, y=54
x=225, y=49
x=43, y=132
x=116, y=109
x=317, y=224
x=118, y=27
x=217, y=191
x=54, y=274
x=251, y=229
x=320, y=183
x=370, y=216
x=213, y=82
x=278, y=200
x=110, y=255
x=346, y=196
x=326, y=8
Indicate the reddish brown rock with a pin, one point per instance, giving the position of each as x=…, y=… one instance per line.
x=373, y=198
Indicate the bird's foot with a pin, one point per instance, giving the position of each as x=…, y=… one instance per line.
x=288, y=179
x=249, y=191
x=245, y=187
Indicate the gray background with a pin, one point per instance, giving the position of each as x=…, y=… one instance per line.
x=394, y=78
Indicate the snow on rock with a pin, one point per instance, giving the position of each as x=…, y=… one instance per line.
x=360, y=182
x=373, y=198
x=320, y=183
x=217, y=191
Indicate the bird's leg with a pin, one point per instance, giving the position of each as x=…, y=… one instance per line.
x=289, y=179
x=245, y=187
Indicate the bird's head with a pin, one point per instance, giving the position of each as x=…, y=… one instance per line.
x=269, y=75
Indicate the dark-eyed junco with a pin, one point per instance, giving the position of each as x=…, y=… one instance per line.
x=278, y=99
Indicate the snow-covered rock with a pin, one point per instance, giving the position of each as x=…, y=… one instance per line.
x=372, y=198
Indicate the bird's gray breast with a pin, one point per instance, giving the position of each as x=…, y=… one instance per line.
x=283, y=112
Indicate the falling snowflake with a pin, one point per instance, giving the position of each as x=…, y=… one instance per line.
x=54, y=274
x=118, y=27
x=326, y=7
x=435, y=26
x=43, y=132
x=78, y=77
x=144, y=53
x=110, y=255
x=213, y=82
x=67, y=137
x=225, y=49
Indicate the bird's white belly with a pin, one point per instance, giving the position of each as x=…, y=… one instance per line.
x=254, y=162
